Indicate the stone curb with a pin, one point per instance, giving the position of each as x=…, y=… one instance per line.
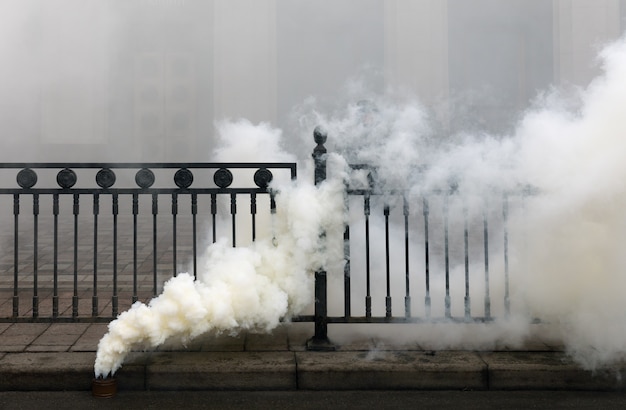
x=221, y=371
x=539, y=370
x=391, y=370
x=416, y=370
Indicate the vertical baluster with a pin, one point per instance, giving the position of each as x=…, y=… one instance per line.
x=114, y=298
x=407, y=297
x=55, y=285
x=35, y=255
x=233, y=213
x=466, y=247
x=273, y=213
x=486, y=248
x=174, y=234
x=155, y=211
x=272, y=202
x=346, y=266
x=368, y=295
x=505, y=217
x=387, y=264
x=527, y=191
x=75, y=295
x=426, y=211
x=16, y=212
x=135, y=213
x=213, y=216
x=194, y=212
x=253, y=214
x=446, y=252
x=96, y=211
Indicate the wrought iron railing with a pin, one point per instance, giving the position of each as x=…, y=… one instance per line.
x=84, y=230
x=423, y=237
x=430, y=249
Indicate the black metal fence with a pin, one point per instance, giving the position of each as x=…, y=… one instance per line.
x=87, y=240
x=75, y=252
x=417, y=255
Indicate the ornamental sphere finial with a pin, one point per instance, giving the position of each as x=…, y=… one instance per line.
x=320, y=135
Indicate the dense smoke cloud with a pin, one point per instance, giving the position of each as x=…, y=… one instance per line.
x=563, y=164
x=567, y=268
x=250, y=287
x=576, y=230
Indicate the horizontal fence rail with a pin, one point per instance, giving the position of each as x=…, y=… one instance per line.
x=87, y=240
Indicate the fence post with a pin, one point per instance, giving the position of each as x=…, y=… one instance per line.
x=320, y=341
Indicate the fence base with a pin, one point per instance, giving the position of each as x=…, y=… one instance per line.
x=320, y=344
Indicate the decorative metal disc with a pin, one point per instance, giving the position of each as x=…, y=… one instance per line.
x=26, y=178
x=66, y=178
x=263, y=177
x=105, y=178
x=144, y=178
x=183, y=178
x=223, y=178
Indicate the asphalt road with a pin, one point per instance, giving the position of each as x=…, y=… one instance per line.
x=303, y=400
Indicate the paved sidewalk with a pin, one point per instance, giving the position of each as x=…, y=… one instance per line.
x=60, y=356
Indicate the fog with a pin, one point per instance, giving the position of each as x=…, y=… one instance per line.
x=146, y=80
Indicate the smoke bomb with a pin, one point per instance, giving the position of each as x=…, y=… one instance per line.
x=104, y=388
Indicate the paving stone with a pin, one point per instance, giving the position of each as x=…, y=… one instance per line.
x=47, y=348
x=12, y=348
x=66, y=328
x=54, y=339
x=15, y=342
x=88, y=341
x=17, y=329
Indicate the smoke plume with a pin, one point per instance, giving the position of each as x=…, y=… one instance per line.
x=563, y=162
x=565, y=260
x=240, y=288
x=576, y=269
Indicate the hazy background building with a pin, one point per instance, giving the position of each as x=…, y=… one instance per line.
x=145, y=80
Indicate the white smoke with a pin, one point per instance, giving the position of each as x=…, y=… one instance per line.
x=240, y=288
x=566, y=264
x=577, y=227
x=243, y=141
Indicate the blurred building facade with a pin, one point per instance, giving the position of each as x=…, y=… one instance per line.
x=145, y=80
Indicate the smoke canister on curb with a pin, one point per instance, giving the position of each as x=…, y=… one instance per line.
x=104, y=388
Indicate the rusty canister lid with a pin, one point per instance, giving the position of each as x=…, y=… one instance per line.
x=104, y=387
